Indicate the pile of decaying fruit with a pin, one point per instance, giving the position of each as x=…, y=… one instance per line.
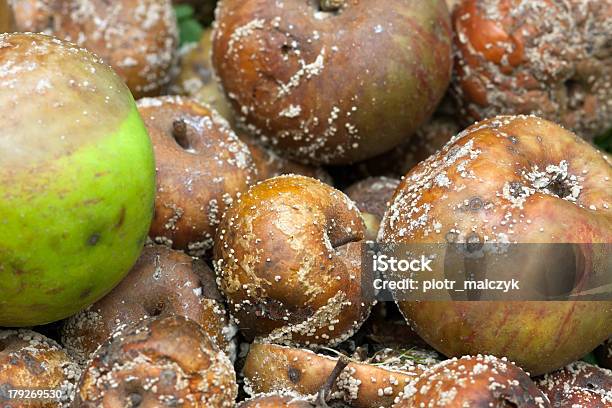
x=249, y=288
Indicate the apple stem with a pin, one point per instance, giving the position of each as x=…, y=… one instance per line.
x=331, y=5
x=325, y=391
x=179, y=132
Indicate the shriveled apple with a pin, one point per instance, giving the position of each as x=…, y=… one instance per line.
x=372, y=383
x=288, y=261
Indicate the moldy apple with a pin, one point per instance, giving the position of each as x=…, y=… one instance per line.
x=550, y=58
x=288, y=260
x=510, y=179
x=333, y=82
x=138, y=38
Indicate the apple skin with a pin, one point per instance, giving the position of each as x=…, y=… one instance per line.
x=6, y=17
x=460, y=191
x=77, y=180
x=333, y=87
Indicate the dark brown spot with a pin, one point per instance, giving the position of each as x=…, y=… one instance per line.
x=275, y=310
x=285, y=49
x=559, y=188
x=294, y=375
x=93, y=239
x=157, y=310
x=85, y=293
x=516, y=189
x=18, y=271
x=121, y=217
x=135, y=399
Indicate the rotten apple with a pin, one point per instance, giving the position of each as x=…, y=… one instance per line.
x=333, y=81
x=288, y=261
x=506, y=180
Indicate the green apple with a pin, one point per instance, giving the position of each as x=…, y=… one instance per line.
x=77, y=179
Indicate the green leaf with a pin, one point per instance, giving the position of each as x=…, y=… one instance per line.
x=590, y=358
x=183, y=11
x=604, y=141
x=190, y=31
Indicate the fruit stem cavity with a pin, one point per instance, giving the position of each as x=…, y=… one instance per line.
x=331, y=5
x=179, y=133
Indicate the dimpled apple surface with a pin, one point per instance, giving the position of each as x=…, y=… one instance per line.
x=77, y=179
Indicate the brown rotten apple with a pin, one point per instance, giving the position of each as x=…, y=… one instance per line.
x=201, y=167
x=167, y=362
x=138, y=38
x=30, y=361
x=550, y=58
x=578, y=385
x=288, y=260
x=273, y=368
x=333, y=82
x=509, y=179
x=162, y=283
x=481, y=381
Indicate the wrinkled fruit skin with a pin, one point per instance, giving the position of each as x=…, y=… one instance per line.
x=543, y=57
x=74, y=212
x=288, y=260
x=578, y=384
x=333, y=87
x=272, y=368
x=170, y=360
x=163, y=282
x=201, y=166
x=483, y=186
x=480, y=381
x=138, y=38
x=29, y=360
